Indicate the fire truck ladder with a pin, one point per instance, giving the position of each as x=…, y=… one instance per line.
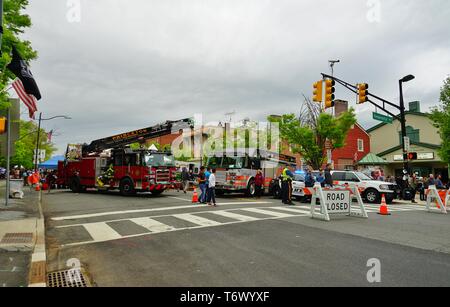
x=135, y=136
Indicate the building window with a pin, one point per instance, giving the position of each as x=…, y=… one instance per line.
x=413, y=134
x=360, y=145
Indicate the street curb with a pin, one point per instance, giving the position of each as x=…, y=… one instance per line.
x=38, y=267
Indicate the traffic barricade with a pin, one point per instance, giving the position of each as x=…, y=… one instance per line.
x=437, y=200
x=340, y=200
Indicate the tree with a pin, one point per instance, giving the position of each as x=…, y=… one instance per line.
x=15, y=21
x=26, y=145
x=441, y=119
x=309, y=139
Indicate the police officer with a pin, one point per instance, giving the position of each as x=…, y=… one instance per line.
x=286, y=185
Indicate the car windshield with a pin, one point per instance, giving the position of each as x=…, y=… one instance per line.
x=363, y=176
x=159, y=159
x=232, y=162
x=298, y=177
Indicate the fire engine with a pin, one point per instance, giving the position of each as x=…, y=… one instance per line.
x=110, y=164
x=236, y=169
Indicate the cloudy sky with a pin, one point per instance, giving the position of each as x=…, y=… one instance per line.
x=127, y=64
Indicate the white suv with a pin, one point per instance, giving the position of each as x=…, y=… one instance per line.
x=371, y=190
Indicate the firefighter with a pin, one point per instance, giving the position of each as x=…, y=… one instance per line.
x=286, y=186
x=107, y=176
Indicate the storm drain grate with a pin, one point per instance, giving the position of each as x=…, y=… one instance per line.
x=74, y=278
x=19, y=237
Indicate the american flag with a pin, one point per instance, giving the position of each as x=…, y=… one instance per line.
x=29, y=100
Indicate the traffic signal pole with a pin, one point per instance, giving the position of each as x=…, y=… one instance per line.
x=403, y=123
x=384, y=103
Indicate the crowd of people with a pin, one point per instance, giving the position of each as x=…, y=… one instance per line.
x=46, y=178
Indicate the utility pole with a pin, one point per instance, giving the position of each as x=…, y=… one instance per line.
x=36, y=154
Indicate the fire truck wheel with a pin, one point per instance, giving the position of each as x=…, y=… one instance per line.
x=127, y=187
x=276, y=192
x=251, y=188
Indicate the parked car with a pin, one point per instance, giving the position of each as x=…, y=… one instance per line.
x=372, y=189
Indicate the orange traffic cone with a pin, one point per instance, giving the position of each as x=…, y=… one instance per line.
x=384, y=208
x=195, y=196
x=38, y=187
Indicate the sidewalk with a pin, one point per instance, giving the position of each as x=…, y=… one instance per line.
x=22, y=240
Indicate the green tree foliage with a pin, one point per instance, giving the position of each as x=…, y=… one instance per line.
x=15, y=21
x=27, y=143
x=310, y=141
x=441, y=118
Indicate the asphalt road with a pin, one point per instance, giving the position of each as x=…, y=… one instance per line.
x=168, y=241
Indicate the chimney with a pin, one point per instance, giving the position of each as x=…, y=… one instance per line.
x=340, y=106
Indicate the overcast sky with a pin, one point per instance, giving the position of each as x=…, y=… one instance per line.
x=128, y=64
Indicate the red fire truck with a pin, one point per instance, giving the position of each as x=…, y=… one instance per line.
x=109, y=163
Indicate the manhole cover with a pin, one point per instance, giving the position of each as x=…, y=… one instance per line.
x=73, y=278
x=16, y=238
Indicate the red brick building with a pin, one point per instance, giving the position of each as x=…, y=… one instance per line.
x=357, y=146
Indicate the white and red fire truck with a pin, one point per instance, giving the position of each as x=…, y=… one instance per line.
x=109, y=163
x=236, y=169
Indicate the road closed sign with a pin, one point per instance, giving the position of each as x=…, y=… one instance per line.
x=337, y=201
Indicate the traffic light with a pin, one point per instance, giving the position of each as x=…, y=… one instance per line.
x=317, y=93
x=329, y=93
x=412, y=156
x=363, y=92
x=2, y=125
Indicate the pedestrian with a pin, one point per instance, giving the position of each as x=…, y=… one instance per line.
x=309, y=179
x=207, y=174
x=421, y=188
x=185, y=180
x=431, y=180
x=259, y=183
x=328, y=176
x=50, y=180
x=412, y=182
x=212, y=188
x=439, y=184
x=286, y=185
x=202, y=185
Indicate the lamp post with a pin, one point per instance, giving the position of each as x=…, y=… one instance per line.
x=403, y=119
x=39, y=135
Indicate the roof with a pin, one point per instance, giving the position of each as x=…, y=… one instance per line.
x=426, y=145
x=372, y=159
x=406, y=113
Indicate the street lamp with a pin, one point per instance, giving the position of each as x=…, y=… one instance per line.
x=39, y=134
x=403, y=119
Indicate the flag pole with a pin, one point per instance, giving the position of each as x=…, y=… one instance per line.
x=37, y=143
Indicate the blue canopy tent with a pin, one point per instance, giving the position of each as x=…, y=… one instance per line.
x=52, y=163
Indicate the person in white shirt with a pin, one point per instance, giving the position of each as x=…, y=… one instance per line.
x=212, y=188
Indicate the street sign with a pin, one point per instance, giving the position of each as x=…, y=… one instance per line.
x=382, y=118
x=337, y=202
x=407, y=142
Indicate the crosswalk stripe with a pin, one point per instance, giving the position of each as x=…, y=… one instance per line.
x=151, y=224
x=239, y=217
x=101, y=232
x=298, y=211
x=267, y=212
x=196, y=219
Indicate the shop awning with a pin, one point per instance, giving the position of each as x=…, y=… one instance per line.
x=372, y=159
